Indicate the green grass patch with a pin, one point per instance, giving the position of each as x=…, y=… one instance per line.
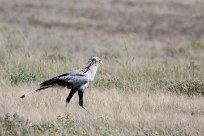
x=4, y=26
x=184, y=49
x=147, y=78
x=195, y=46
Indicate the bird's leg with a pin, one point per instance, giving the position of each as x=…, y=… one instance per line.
x=72, y=92
x=80, y=93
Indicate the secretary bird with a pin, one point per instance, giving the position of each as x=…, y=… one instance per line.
x=77, y=80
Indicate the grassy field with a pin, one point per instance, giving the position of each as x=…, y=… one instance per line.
x=151, y=82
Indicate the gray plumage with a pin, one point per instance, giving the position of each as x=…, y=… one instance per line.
x=77, y=80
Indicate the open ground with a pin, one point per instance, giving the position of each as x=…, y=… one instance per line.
x=151, y=82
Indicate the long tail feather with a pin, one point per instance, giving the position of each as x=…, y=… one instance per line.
x=23, y=96
x=41, y=88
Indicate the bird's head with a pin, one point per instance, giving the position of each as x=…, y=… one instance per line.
x=95, y=61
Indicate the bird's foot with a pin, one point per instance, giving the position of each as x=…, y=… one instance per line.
x=66, y=104
x=85, y=109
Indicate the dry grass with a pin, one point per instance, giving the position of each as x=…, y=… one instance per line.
x=122, y=113
x=151, y=49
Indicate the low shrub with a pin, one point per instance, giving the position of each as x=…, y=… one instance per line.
x=16, y=125
x=21, y=76
x=189, y=87
x=13, y=125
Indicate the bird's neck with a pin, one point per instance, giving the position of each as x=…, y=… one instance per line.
x=92, y=71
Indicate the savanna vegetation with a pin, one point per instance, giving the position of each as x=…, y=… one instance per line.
x=151, y=82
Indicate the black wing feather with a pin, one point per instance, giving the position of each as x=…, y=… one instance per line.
x=53, y=81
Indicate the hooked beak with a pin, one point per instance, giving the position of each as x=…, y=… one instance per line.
x=100, y=61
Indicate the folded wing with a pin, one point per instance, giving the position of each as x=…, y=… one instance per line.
x=70, y=80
